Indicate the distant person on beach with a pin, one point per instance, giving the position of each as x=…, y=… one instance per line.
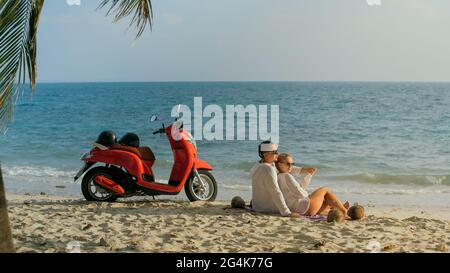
x=297, y=198
x=266, y=194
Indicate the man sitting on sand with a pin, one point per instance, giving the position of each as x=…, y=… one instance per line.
x=266, y=194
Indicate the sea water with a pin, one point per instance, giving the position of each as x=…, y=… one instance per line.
x=381, y=143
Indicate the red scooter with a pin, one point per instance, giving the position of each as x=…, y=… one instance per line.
x=127, y=169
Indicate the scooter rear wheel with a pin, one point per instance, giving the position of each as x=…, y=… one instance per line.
x=195, y=191
x=93, y=192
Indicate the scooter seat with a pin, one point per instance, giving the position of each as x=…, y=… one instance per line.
x=147, y=154
x=144, y=153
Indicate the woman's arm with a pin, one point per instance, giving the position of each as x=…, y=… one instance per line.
x=309, y=170
x=306, y=181
x=295, y=188
x=296, y=170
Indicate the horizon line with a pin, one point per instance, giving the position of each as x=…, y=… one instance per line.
x=242, y=81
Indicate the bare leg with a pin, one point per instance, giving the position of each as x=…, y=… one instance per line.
x=323, y=198
x=324, y=209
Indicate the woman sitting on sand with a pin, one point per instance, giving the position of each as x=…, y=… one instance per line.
x=295, y=195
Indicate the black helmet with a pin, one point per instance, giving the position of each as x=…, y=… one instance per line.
x=107, y=138
x=130, y=139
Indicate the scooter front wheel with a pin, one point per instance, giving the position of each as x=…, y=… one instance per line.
x=204, y=190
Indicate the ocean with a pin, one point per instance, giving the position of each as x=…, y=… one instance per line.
x=374, y=143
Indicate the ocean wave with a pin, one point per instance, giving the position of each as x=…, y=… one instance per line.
x=248, y=165
x=164, y=163
x=364, y=178
x=421, y=180
x=28, y=171
x=238, y=187
x=29, y=104
x=356, y=191
x=389, y=191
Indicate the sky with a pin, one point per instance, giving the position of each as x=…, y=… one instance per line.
x=249, y=40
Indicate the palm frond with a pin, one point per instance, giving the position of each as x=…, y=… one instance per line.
x=18, y=28
x=140, y=9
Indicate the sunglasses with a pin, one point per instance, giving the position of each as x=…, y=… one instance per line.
x=272, y=153
x=288, y=163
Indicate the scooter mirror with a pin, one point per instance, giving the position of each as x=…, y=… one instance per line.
x=153, y=118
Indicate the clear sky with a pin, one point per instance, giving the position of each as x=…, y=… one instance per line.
x=250, y=40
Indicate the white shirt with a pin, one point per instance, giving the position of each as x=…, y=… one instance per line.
x=266, y=194
x=295, y=195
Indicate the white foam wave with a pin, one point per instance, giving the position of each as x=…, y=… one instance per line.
x=28, y=171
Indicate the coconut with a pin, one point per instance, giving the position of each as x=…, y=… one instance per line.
x=335, y=215
x=356, y=212
x=238, y=203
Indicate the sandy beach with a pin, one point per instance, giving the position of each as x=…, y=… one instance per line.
x=50, y=224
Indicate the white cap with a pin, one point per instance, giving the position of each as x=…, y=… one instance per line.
x=269, y=147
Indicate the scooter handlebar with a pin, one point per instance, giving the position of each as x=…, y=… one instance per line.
x=160, y=131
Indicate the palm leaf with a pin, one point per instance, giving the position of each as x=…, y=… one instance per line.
x=140, y=9
x=18, y=27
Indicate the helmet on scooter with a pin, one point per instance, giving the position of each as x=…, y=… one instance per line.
x=130, y=139
x=107, y=138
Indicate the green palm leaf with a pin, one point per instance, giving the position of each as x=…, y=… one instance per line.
x=140, y=9
x=18, y=27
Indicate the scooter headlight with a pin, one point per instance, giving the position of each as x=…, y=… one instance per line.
x=194, y=143
x=191, y=139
